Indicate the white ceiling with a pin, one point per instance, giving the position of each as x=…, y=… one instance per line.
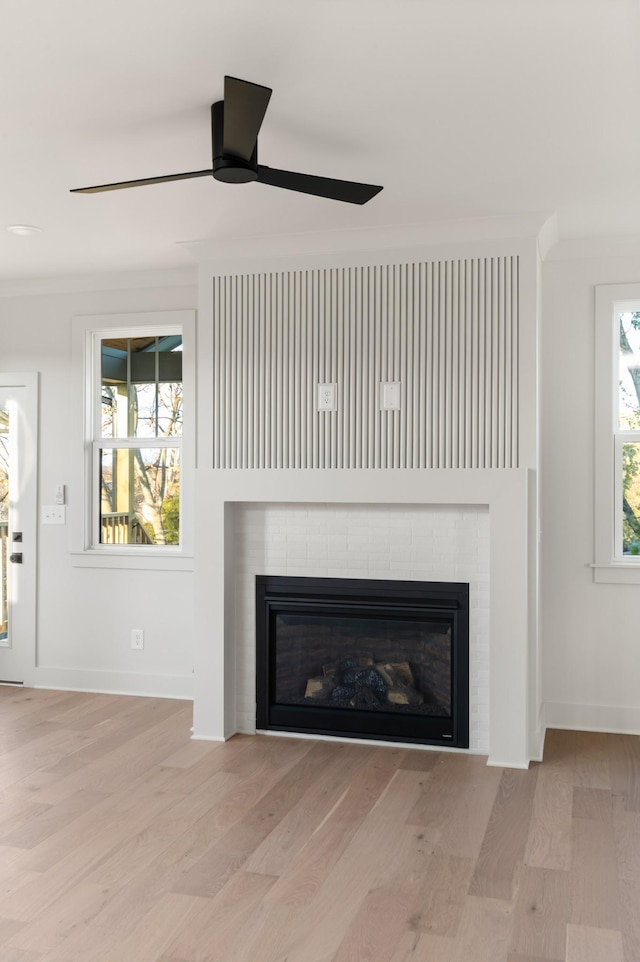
x=460, y=108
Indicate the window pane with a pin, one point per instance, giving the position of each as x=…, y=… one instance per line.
x=631, y=499
x=141, y=386
x=140, y=496
x=629, y=376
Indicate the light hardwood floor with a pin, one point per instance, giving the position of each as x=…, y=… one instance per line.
x=121, y=840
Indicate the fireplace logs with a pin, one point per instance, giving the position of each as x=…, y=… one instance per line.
x=358, y=681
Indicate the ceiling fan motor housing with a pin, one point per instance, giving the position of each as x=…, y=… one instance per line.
x=226, y=167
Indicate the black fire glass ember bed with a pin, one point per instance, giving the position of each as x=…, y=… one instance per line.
x=363, y=658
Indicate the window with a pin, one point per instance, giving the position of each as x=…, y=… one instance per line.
x=627, y=434
x=617, y=439
x=138, y=439
x=138, y=447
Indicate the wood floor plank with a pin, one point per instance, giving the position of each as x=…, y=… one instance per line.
x=17, y=955
x=516, y=957
x=123, y=759
x=421, y=947
x=49, y=929
x=14, y=878
x=485, y=931
x=39, y=892
x=322, y=789
x=629, y=890
x=588, y=944
x=144, y=847
x=624, y=760
x=549, y=840
x=626, y=831
x=44, y=824
x=594, y=879
x=376, y=929
x=110, y=819
x=310, y=868
x=436, y=883
x=592, y=803
x=43, y=751
x=172, y=861
x=210, y=937
x=420, y=761
x=264, y=934
x=9, y=928
x=230, y=853
x=347, y=885
x=17, y=812
x=541, y=913
x=443, y=811
x=158, y=929
x=591, y=759
x=506, y=836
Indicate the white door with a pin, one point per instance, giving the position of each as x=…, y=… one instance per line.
x=18, y=529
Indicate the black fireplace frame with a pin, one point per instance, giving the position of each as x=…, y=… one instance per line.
x=279, y=594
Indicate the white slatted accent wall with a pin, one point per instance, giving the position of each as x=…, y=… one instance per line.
x=447, y=331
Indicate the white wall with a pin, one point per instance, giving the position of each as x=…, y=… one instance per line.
x=590, y=632
x=85, y=615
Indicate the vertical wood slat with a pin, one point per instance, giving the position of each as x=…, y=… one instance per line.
x=447, y=331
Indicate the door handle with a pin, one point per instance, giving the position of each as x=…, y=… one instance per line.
x=16, y=558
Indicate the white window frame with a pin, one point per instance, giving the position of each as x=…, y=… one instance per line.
x=610, y=566
x=88, y=332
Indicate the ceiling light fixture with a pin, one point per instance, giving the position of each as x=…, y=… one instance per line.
x=24, y=230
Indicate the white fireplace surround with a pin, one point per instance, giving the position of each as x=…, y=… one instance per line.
x=305, y=522
x=394, y=542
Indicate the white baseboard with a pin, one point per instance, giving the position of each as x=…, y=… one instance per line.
x=114, y=682
x=209, y=738
x=498, y=763
x=617, y=719
x=536, y=747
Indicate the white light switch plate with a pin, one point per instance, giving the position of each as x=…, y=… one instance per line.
x=53, y=514
x=390, y=396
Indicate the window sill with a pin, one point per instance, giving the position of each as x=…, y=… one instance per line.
x=617, y=573
x=130, y=560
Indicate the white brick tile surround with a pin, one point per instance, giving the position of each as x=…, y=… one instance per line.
x=404, y=542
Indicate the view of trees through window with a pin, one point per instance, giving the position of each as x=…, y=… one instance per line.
x=629, y=422
x=141, y=402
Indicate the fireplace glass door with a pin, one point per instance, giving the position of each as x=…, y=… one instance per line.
x=366, y=659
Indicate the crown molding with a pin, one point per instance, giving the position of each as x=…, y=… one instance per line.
x=394, y=237
x=115, y=281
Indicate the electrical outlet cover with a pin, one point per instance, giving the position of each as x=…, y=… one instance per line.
x=327, y=397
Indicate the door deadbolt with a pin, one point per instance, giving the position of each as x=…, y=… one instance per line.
x=16, y=558
x=16, y=536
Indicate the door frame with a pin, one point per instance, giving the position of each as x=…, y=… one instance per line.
x=27, y=518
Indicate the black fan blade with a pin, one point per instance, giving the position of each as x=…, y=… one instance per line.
x=245, y=105
x=142, y=183
x=345, y=190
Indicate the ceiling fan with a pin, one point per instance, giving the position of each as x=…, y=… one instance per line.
x=235, y=124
